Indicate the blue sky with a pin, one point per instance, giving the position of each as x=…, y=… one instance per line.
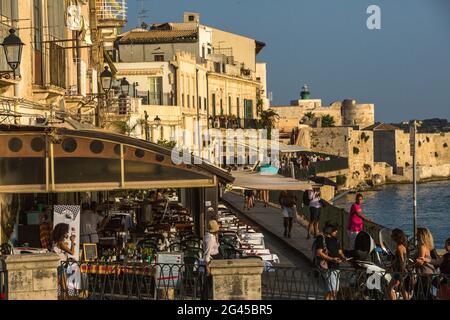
x=404, y=68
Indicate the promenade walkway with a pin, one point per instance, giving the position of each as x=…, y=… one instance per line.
x=271, y=220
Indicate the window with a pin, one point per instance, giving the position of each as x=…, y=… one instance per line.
x=238, y=107
x=37, y=24
x=56, y=18
x=205, y=104
x=230, y=112
x=203, y=52
x=213, y=101
x=221, y=107
x=182, y=100
x=191, y=18
x=209, y=51
x=188, y=101
x=217, y=67
x=193, y=102
x=155, y=92
x=159, y=57
x=199, y=102
x=6, y=9
x=57, y=65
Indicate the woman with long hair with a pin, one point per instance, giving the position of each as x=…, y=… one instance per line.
x=399, y=265
x=424, y=266
x=60, y=235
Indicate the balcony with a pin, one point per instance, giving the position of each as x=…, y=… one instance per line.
x=156, y=98
x=111, y=10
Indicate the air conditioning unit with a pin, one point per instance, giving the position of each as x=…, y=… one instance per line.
x=41, y=121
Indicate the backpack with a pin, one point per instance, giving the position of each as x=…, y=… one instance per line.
x=306, y=200
x=317, y=262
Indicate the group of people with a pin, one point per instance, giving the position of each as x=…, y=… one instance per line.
x=251, y=196
x=59, y=240
x=329, y=254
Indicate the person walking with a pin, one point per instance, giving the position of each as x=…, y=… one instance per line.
x=356, y=220
x=399, y=266
x=288, y=205
x=248, y=198
x=265, y=197
x=328, y=256
x=60, y=235
x=424, y=266
x=315, y=207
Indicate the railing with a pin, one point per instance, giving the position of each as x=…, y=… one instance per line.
x=155, y=99
x=287, y=283
x=132, y=281
x=111, y=9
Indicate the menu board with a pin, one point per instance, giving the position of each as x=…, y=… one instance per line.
x=168, y=269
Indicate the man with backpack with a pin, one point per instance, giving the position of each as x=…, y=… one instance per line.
x=327, y=256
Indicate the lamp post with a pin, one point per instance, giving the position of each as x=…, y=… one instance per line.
x=156, y=124
x=106, y=82
x=12, y=46
x=124, y=87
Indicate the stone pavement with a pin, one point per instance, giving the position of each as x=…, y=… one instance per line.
x=271, y=220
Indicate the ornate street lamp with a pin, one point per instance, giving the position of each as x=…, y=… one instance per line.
x=157, y=121
x=124, y=87
x=12, y=46
x=106, y=80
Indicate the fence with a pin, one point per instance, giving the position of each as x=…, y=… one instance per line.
x=296, y=284
x=136, y=281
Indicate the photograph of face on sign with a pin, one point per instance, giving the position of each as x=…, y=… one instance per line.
x=71, y=216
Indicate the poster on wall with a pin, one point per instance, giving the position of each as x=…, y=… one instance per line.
x=71, y=216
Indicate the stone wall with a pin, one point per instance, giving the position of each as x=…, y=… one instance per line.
x=433, y=150
x=32, y=277
x=237, y=279
x=346, y=142
x=290, y=116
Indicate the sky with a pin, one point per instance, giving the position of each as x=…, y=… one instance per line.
x=403, y=68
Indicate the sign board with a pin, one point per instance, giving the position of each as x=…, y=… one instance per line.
x=90, y=252
x=71, y=216
x=168, y=269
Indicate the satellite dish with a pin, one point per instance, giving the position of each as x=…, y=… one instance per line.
x=74, y=19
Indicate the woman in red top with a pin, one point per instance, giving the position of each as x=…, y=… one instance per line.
x=355, y=221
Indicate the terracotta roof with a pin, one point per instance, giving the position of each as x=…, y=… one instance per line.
x=158, y=36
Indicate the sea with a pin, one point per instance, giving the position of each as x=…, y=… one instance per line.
x=392, y=206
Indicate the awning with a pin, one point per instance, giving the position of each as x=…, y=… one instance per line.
x=257, y=181
x=51, y=160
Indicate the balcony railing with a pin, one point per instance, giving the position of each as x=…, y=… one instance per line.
x=156, y=98
x=111, y=10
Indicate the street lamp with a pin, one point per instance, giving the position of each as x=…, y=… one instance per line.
x=124, y=87
x=12, y=46
x=157, y=121
x=106, y=80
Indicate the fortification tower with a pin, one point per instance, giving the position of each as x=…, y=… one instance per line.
x=353, y=114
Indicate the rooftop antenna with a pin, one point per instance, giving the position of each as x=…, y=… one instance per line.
x=142, y=13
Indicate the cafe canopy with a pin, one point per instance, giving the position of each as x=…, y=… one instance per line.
x=51, y=160
x=258, y=181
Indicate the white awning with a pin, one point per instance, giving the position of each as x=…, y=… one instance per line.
x=257, y=181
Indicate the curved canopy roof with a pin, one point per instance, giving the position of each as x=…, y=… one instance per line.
x=45, y=159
